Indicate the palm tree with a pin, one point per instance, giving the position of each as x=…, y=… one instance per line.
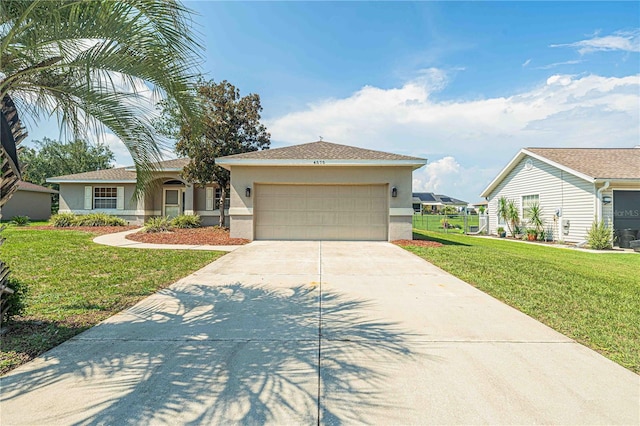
x=89, y=64
x=92, y=64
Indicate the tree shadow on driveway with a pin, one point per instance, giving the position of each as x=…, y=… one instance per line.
x=216, y=354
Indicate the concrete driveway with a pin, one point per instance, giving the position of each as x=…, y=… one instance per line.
x=328, y=332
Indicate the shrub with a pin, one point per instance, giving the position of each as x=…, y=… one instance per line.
x=98, y=219
x=20, y=220
x=62, y=220
x=186, y=221
x=15, y=302
x=157, y=224
x=599, y=236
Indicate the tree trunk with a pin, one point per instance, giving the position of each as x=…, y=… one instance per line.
x=223, y=196
x=11, y=133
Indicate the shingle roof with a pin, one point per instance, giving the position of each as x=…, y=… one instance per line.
x=598, y=163
x=120, y=173
x=32, y=187
x=320, y=150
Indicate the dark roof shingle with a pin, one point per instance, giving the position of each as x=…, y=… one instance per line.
x=32, y=187
x=320, y=150
x=598, y=163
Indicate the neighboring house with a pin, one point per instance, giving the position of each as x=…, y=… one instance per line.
x=429, y=202
x=29, y=200
x=573, y=186
x=313, y=191
x=112, y=191
x=321, y=191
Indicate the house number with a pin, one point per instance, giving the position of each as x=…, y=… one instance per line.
x=318, y=162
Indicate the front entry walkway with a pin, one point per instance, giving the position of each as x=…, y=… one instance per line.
x=320, y=332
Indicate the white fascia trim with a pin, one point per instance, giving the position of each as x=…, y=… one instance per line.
x=401, y=211
x=618, y=181
x=227, y=163
x=90, y=181
x=171, y=169
x=519, y=156
x=241, y=211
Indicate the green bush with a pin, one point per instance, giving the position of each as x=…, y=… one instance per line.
x=63, y=220
x=98, y=219
x=157, y=224
x=20, y=220
x=15, y=302
x=599, y=236
x=186, y=221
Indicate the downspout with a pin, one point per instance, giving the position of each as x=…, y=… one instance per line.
x=599, y=201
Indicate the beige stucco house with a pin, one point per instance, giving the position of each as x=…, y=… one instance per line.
x=573, y=186
x=312, y=191
x=112, y=191
x=29, y=200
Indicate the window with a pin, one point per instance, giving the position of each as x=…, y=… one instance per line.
x=105, y=198
x=527, y=202
x=217, y=200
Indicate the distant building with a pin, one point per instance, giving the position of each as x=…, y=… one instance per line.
x=29, y=200
x=430, y=202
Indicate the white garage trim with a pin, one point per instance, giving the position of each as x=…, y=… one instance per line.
x=321, y=212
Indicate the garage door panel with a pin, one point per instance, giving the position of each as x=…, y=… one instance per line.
x=321, y=212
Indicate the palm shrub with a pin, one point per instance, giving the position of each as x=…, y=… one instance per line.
x=20, y=220
x=186, y=221
x=63, y=220
x=157, y=224
x=599, y=236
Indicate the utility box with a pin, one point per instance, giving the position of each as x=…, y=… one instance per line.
x=565, y=227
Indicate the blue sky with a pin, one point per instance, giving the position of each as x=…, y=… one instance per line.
x=465, y=85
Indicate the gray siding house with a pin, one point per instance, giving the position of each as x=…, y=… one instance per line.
x=29, y=200
x=573, y=186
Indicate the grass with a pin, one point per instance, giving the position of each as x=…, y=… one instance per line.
x=73, y=284
x=592, y=298
x=433, y=222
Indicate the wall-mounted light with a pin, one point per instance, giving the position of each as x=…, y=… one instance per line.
x=394, y=192
x=247, y=192
x=606, y=199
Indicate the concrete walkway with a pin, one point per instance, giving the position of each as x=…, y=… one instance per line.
x=118, y=239
x=320, y=332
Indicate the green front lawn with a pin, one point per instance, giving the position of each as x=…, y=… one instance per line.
x=74, y=283
x=592, y=298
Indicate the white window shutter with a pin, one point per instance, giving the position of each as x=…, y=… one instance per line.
x=88, y=197
x=120, y=199
x=209, y=205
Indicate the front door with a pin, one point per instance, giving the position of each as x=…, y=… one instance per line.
x=173, y=202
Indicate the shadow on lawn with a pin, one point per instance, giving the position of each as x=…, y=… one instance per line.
x=225, y=354
x=443, y=241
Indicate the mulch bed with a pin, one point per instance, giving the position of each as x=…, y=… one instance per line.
x=208, y=235
x=100, y=230
x=417, y=243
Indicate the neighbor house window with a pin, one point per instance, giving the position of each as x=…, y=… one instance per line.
x=226, y=200
x=527, y=202
x=105, y=198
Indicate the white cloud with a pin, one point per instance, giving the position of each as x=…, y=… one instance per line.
x=480, y=135
x=557, y=64
x=628, y=41
x=526, y=63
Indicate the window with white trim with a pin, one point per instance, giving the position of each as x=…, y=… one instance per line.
x=527, y=202
x=227, y=199
x=105, y=198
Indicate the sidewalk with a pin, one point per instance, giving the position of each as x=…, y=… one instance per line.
x=118, y=240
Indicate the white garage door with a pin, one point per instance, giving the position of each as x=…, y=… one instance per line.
x=321, y=212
